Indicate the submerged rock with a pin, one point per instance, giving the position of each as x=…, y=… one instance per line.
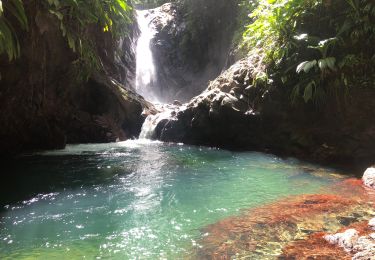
x=369, y=178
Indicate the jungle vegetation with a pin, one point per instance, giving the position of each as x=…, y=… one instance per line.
x=315, y=48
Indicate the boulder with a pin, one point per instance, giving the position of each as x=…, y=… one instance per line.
x=347, y=240
x=369, y=178
x=361, y=247
x=220, y=115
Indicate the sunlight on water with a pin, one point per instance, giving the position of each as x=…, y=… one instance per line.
x=136, y=199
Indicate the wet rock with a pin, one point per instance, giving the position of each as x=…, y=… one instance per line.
x=224, y=115
x=177, y=103
x=369, y=178
x=346, y=240
x=362, y=247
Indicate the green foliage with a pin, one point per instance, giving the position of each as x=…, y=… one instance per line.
x=274, y=20
x=316, y=48
x=77, y=18
x=11, y=10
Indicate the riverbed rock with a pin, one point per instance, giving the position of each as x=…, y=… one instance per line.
x=369, y=178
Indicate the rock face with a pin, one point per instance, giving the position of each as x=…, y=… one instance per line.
x=191, y=45
x=228, y=114
x=43, y=103
x=233, y=112
x=369, y=178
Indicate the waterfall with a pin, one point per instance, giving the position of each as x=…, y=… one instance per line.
x=166, y=112
x=145, y=70
x=146, y=77
x=150, y=124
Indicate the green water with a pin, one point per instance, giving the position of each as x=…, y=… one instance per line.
x=136, y=200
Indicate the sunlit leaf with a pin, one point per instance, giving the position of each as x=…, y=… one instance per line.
x=306, y=66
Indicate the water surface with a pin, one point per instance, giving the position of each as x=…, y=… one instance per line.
x=136, y=199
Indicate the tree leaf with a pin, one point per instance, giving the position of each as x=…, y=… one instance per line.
x=327, y=63
x=306, y=66
x=308, y=93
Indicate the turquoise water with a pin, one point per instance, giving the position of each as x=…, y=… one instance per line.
x=136, y=199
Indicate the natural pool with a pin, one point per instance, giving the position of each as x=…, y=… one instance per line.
x=136, y=199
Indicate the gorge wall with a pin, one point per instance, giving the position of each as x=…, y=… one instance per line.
x=44, y=101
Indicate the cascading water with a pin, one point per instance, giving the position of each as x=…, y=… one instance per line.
x=166, y=111
x=150, y=124
x=146, y=77
x=145, y=71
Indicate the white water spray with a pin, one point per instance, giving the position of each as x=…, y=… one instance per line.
x=166, y=111
x=145, y=70
x=146, y=77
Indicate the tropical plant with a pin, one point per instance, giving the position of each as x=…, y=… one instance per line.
x=9, y=43
x=328, y=44
x=76, y=18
